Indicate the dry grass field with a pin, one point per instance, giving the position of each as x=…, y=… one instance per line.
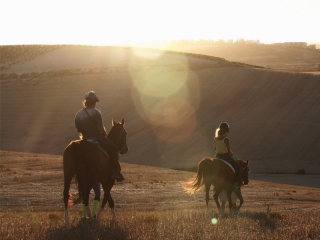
x=149, y=204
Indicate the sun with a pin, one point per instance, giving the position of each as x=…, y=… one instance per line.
x=136, y=22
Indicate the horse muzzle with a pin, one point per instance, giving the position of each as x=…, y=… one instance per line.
x=124, y=150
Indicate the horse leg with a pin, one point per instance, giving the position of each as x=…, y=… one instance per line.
x=107, y=186
x=207, y=186
x=67, y=182
x=239, y=194
x=104, y=201
x=215, y=197
x=229, y=199
x=68, y=173
x=85, y=197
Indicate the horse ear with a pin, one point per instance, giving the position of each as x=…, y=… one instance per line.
x=113, y=122
x=122, y=121
x=248, y=161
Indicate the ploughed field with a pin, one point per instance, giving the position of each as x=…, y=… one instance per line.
x=172, y=103
x=150, y=204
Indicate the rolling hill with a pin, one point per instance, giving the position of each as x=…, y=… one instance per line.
x=272, y=56
x=171, y=102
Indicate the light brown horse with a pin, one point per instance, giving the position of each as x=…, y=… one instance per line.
x=85, y=162
x=213, y=171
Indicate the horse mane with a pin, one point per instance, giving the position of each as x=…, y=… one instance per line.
x=240, y=161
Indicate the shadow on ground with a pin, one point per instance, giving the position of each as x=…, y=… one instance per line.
x=86, y=229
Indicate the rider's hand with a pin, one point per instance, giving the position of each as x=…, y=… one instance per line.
x=231, y=153
x=105, y=132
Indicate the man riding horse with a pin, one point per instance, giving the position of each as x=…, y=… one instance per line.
x=89, y=124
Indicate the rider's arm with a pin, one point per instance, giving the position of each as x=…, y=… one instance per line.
x=226, y=141
x=100, y=123
x=77, y=125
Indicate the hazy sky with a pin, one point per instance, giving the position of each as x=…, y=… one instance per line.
x=114, y=22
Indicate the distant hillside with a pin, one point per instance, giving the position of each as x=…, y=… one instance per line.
x=171, y=102
x=293, y=59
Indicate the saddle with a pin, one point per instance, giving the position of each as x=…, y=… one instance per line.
x=94, y=141
x=228, y=164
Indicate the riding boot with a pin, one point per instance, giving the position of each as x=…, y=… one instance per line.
x=95, y=207
x=236, y=187
x=84, y=211
x=117, y=175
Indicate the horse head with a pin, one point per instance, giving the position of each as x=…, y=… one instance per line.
x=118, y=135
x=244, y=170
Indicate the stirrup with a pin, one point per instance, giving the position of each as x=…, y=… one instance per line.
x=236, y=187
x=117, y=176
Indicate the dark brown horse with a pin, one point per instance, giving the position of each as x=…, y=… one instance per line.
x=88, y=164
x=213, y=171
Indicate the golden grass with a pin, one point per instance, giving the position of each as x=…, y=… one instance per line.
x=175, y=224
x=150, y=204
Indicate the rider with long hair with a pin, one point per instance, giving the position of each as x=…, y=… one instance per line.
x=223, y=151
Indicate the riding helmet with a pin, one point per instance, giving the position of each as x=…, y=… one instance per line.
x=224, y=126
x=92, y=96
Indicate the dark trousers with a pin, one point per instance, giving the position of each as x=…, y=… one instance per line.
x=97, y=190
x=233, y=163
x=113, y=152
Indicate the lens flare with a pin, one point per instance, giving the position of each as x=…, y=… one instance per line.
x=158, y=81
x=172, y=156
x=173, y=119
x=214, y=221
x=166, y=94
x=147, y=53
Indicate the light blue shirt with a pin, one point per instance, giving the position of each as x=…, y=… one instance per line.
x=90, y=128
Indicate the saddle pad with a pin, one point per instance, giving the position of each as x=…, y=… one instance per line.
x=228, y=164
x=91, y=140
x=94, y=141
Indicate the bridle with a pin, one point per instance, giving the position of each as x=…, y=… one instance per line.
x=122, y=143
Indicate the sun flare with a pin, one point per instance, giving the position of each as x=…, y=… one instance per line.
x=138, y=22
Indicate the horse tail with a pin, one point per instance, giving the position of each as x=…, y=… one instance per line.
x=198, y=179
x=76, y=156
x=196, y=183
x=68, y=172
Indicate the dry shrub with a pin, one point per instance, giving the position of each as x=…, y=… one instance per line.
x=276, y=215
x=55, y=216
